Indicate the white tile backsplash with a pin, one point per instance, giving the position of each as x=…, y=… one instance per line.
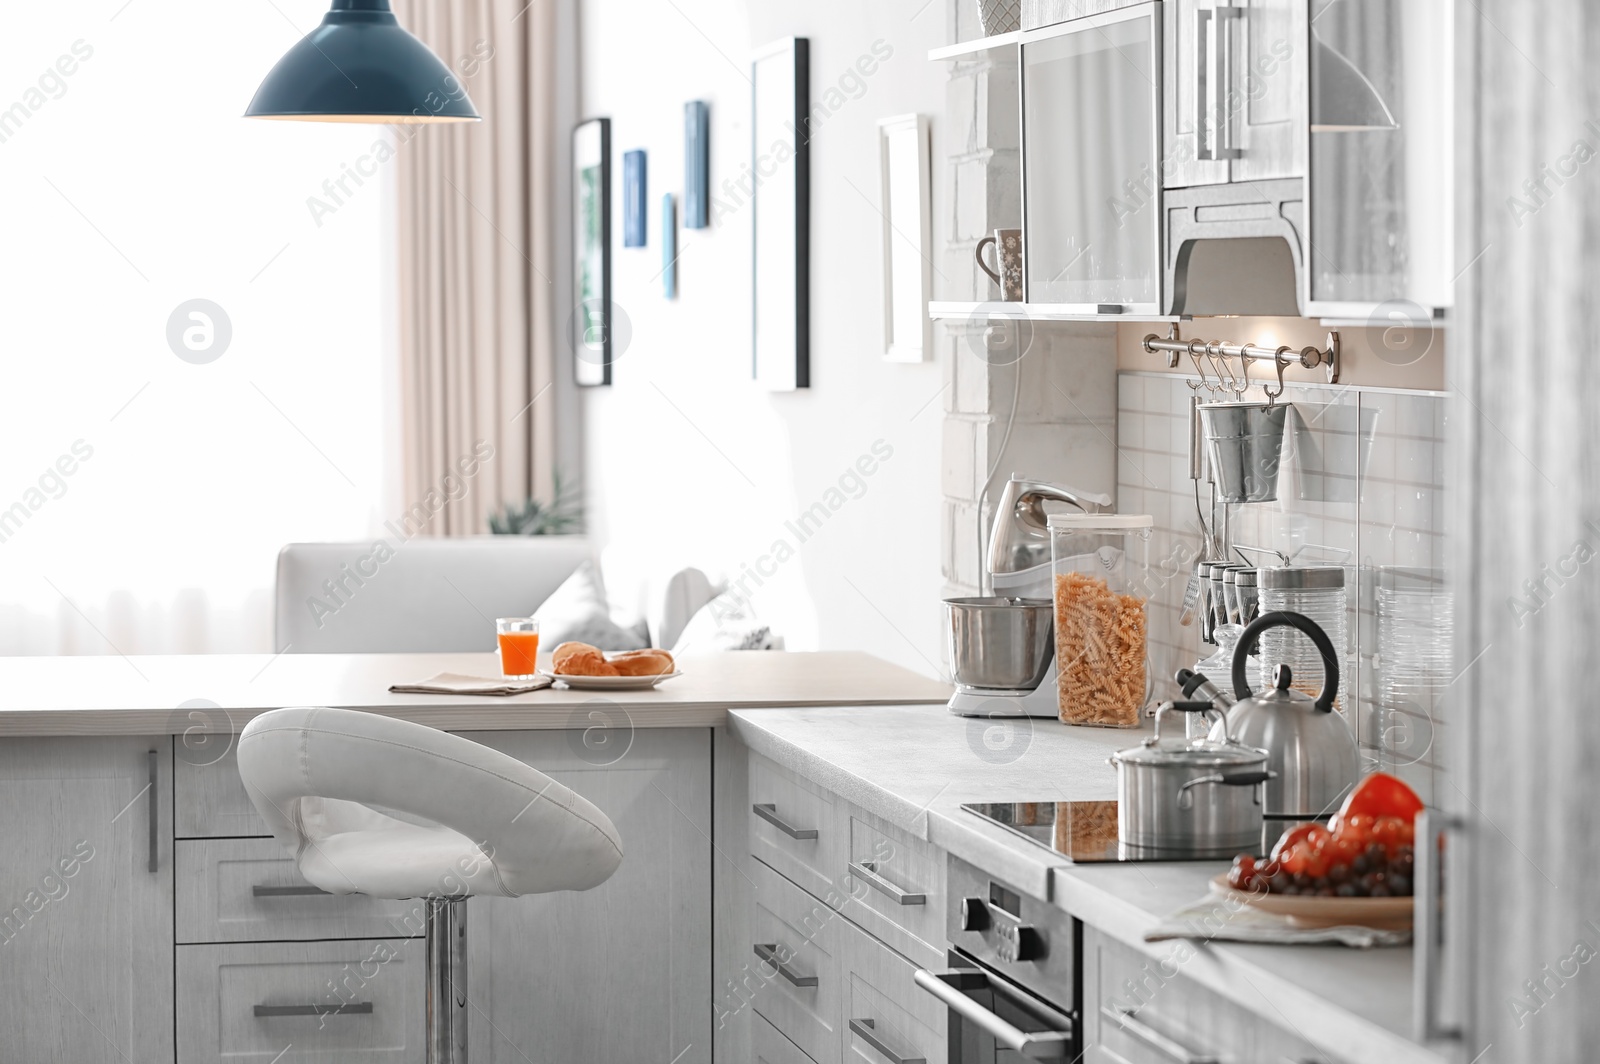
x=1368, y=504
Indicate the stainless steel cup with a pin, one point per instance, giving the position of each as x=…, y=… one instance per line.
x=1245, y=441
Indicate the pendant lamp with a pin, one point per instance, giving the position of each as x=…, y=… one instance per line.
x=361, y=66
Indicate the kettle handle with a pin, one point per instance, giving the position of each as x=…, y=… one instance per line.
x=1286, y=619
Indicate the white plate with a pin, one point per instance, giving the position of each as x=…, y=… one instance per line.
x=613, y=683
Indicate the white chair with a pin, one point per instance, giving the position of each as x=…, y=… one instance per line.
x=370, y=805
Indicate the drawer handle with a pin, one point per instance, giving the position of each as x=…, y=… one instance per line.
x=153, y=864
x=866, y=1030
x=354, y=1008
x=1126, y=1019
x=262, y=891
x=769, y=953
x=868, y=871
x=769, y=813
x=951, y=987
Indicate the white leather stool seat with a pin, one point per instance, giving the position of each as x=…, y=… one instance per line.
x=371, y=805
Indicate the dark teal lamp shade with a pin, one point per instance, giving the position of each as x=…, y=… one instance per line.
x=361, y=66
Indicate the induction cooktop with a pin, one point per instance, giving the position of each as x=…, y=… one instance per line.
x=1083, y=832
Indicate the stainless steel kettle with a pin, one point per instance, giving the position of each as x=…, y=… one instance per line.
x=1310, y=748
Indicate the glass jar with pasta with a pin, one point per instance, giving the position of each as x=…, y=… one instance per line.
x=1101, y=573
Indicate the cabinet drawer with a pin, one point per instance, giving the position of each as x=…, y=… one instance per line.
x=773, y=1048
x=792, y=827
x=377, y=982
x=1172, y=1016
x=208, y=799
x=889, y=871
x=249, y=890
x=804, y=935
x=887, y=1017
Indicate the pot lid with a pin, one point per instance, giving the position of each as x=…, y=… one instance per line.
x=1191, y=753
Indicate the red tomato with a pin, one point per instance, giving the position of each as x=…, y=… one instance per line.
x=1309, y=831
x=1343, y=848
x=1392, y=833
x=1381, y=794
x=1357, y=828
x=1296, y=858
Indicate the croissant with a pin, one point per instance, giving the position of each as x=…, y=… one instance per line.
x=643, y=663
x=580, y=659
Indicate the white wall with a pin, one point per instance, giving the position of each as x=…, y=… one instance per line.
x=684, y=455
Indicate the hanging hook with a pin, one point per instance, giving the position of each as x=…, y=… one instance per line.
x=1198, y=369
x=1219, y=365
x=1280, y=361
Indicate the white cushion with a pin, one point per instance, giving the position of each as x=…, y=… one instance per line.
x=577, y=610
x=371, y=805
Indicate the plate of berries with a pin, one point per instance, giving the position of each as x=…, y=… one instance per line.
x=1358, y=870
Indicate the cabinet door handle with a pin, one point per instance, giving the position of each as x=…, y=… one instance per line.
x=1128, y=1021
x=154, y=863
x=769, y=953
x=769, y=812
x=1223, y=147
x=866, y=1030
x=261, y=890
x=868, y=872
x=354, y=1008
x=1202, y=114
x=1428, y=930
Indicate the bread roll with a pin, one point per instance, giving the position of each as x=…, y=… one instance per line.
x=643, y=663
x=580, y=659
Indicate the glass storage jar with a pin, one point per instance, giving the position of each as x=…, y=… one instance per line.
x=1101, y=572
x=1318, y=592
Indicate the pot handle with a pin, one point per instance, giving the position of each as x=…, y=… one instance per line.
x=1225, y=779
x=1286, y=619
x=1186, y=707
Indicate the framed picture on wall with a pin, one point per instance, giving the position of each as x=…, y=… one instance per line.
x=781, y=215
x=906, y=237
x=634, y=182
x=591, y=252
x=696, y=164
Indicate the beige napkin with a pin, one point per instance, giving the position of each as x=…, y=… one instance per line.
x=1213, y=919
x=449, y=683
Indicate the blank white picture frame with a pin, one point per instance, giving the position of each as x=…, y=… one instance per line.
x=781, y=216
x=903, y=169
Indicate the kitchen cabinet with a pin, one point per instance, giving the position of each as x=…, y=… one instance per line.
x=1141, y=1010
x=1091, y=213
x=1381, y=223
x=86, y=900
x=621, y=972
x=1234, y=89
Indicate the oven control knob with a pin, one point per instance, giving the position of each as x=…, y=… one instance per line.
x=974, y=915
x=1026, y=944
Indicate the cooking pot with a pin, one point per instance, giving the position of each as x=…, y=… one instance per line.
x=1182, y=797
x=1000, y=644
x=1310, y=747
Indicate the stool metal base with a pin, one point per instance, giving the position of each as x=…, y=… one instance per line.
x=446, y=938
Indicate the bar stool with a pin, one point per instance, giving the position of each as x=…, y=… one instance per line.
x=370, y=805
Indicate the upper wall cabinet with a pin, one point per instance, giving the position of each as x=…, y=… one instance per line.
x=1380, y=204
x=1235, y=91
x=1090, y=156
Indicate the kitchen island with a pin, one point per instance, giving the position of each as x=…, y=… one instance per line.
x=146, y=913
x=914, y=766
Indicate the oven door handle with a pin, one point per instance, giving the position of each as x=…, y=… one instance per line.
x=950, y=988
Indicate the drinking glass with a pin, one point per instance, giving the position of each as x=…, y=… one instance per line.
x=519, y=646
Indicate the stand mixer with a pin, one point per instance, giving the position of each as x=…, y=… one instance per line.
x=1002, y=647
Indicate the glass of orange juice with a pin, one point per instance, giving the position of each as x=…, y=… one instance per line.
x=519, y=646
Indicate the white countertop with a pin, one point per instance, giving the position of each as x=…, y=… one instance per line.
x=916, y=765
x=151, y=695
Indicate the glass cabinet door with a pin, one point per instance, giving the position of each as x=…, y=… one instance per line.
x=1381, y=149
x=1091, y=187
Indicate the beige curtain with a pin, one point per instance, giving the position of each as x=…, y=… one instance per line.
x=480, y=238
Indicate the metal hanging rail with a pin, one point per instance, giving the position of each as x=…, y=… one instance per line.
x=1281, y=357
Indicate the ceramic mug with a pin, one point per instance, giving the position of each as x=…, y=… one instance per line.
x=1008, y=251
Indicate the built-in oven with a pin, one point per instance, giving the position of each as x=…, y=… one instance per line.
x=1012, y=981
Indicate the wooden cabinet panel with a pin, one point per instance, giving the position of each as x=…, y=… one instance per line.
x=886, y=1015
x=1271, y=74
x=621, y=972
x=805, y=936
x=771, y=1047
x=85, y=921
x=1136, y=1010
x=1183, y=62
x=791, y=806
x=210, y=799
x=896, y=864
x=273, y=1002
x=250, y=890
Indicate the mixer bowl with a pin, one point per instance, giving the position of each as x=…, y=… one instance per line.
x=1000, y=644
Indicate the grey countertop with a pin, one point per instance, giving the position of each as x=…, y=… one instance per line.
x=914, y=765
